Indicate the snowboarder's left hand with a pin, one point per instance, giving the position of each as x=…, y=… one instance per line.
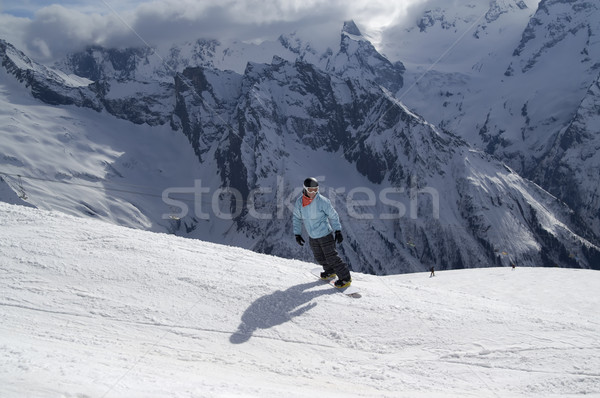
x=300, y=240
x=338, y=237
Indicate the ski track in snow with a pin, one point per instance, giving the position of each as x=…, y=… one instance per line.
x=89, y=309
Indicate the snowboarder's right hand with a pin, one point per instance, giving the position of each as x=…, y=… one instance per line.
x=300, y=240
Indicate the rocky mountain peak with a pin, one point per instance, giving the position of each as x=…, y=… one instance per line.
x=358, y=59
x=350, y=28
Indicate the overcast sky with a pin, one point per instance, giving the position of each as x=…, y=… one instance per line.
x=47, y=29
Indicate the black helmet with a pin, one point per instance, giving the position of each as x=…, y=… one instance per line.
x=311, y=182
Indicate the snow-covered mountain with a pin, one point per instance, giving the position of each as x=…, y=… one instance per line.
x=90, y=309
x=510, y=77
x=218, y=155
x=572, y=166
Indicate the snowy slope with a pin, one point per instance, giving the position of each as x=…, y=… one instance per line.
x=92, y=309
x=84, y=162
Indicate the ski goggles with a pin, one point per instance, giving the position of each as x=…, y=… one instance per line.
x=312, y=189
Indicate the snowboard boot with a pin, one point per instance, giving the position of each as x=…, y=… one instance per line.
x=342, y=283
x=326, y=275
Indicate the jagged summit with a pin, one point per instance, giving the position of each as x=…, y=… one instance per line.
x=359, y=60
x=351, y=28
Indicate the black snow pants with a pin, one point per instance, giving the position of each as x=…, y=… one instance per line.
x=326, y=255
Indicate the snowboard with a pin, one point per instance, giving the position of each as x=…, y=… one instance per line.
x=351, y=291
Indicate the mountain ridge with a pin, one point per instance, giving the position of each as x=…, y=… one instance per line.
x=253, y=132
x=513, y=86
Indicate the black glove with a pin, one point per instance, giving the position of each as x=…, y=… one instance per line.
x=300, y=240
x=338, y=237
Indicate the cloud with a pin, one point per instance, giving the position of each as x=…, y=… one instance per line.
x=56, y=30
x=10, y=26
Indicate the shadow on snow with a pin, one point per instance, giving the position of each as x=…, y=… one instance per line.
x=277, y=308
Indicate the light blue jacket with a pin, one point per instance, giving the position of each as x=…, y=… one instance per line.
x=320, y=218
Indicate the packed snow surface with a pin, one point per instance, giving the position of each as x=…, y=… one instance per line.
x=90, y=309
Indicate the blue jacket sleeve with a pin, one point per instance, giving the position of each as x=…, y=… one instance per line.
x=334, y=218
x=297, y=218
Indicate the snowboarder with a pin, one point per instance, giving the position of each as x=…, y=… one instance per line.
x=321, y=220
x=432, y=269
